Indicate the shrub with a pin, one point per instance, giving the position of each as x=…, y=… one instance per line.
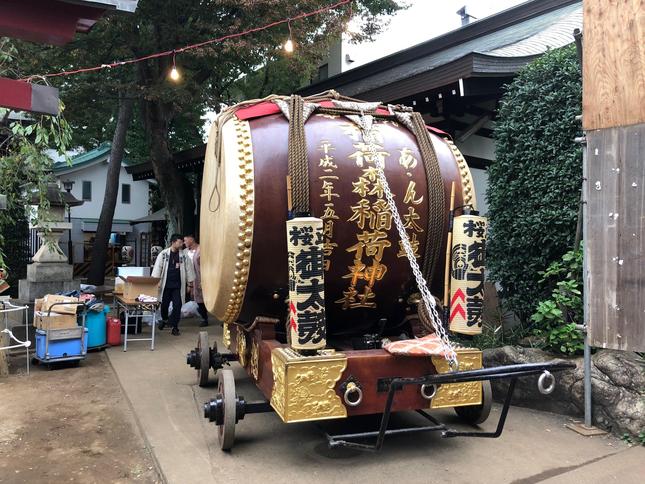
x=535, y=180
x=555, y=318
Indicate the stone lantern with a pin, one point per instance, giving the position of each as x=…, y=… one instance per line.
x=50, y=272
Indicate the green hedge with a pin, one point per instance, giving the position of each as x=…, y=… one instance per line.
x=535, y=181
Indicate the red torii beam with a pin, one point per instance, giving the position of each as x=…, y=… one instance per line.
x=47, y=22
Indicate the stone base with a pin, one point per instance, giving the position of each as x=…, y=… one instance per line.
x=51, y=271
x=28, y=290
x=617, y=381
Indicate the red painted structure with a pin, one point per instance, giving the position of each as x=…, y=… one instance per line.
x=48, y=22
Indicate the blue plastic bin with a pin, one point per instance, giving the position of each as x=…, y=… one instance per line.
x=95, y=322
x=60, y=348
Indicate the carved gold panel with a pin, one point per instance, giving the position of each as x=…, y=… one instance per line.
x=459, y=394
x=303, y=386
x=255, y=359
x=226, y=336
x=241, y=347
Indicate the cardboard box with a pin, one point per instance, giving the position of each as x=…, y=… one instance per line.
x=44, y=320
x=135, y=285
x=51, y=299
x=38, y=304
x=123, y=273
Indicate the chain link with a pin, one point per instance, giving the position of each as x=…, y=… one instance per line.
x=448, y=351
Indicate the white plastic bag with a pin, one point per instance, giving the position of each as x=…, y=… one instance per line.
x=190, y=310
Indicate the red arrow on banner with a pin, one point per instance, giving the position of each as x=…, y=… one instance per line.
x=292, y=311
x=457, y=310
x=458, y=294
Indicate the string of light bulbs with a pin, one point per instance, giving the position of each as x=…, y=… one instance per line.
x=174, y=72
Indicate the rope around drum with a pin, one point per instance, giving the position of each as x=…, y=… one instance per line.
x=366, y=123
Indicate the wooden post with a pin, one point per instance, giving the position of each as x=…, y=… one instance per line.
x=614, y=118
x=4, y=364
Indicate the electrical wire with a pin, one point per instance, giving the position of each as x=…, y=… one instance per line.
x=192, y=46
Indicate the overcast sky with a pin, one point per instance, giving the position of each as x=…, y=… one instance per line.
x=423, y=20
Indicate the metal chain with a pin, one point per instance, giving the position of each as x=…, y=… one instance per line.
x=448, y=351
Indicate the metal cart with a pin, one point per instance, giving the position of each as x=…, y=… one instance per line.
x=74, y=339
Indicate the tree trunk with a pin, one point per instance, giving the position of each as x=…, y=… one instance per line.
x=96, y=273
x=175, y=190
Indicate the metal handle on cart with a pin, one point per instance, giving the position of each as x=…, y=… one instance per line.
x=428, y=395
x=353, y=388
x=546, y=390
x=82, y=304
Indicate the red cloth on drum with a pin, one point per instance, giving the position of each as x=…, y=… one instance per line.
x=427, y=346
x=266, y=108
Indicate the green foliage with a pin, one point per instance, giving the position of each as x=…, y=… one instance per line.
x=631, y=440
x=25, y=167
x=168, y=114
x=535, y=181
x=555, y=318
x=209, y=75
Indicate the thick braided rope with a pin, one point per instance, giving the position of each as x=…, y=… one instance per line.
x=298, y=164
x=436, y=197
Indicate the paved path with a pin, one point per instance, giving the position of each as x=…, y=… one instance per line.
x=535, y=446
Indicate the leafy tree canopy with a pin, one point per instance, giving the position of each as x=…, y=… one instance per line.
x=169, y=114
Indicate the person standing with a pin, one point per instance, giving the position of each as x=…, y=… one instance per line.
x=177, y=274
x=192, y=246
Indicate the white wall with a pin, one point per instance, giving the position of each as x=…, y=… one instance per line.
x=91, y=210
x=138, y=206
x=480, y=177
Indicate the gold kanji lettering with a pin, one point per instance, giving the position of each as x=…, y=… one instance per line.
x=375, y=272
x=356, y=272
x=328, y=228
x=327, y=161
x=364, y=299
x=328, y=191
x=414, y=243
x=363, y=155
x=349, y=297
x=330, y=212
x=371, y=173
x=362, y=187
x=411, y=220
x=410, y=194
x=362, y=213
x=372, y=243
x=406, y=160
x=328, y=247
x=377, y=189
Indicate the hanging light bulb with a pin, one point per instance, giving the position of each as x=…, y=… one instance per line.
x=289, y=45
x=174, y=73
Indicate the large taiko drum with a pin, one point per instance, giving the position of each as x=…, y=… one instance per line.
x=367, y=276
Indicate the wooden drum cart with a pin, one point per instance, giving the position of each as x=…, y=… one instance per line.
x=332, y=317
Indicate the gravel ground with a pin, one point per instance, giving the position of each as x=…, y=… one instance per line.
x=69, y=423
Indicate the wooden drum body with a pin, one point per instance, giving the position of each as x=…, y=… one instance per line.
x=244, y=210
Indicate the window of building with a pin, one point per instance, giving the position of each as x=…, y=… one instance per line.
x=125, y=193
x=87, y=191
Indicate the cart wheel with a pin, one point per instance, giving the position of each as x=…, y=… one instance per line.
x=477, y=414
x=226, y=388
x=204, y=362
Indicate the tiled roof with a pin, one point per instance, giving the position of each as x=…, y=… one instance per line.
x=89, y=157
x=558, y=34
